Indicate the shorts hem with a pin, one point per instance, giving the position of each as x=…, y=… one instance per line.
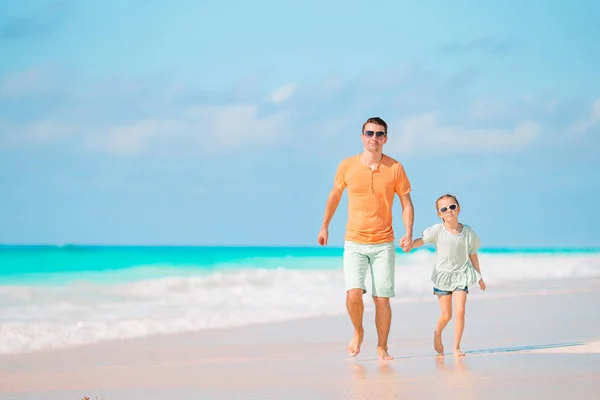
x=440, y=292
x=357, y=287
x=385, y=295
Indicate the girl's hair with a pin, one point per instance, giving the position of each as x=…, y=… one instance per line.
x=443, y=197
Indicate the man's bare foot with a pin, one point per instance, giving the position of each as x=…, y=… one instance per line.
x=437, y=343
x=383, y=354
x=355, y=342
x=458, y=352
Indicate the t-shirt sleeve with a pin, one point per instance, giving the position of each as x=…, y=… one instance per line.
x=402, y=182
x=430, y=234
x=340, y=177
x=474, y=243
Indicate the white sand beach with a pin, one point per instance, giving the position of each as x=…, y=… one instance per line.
x=522, y=345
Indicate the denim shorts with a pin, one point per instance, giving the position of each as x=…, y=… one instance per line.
x=439, y=292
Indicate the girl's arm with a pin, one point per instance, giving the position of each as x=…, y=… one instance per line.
x=416, y=243
x=475, y=262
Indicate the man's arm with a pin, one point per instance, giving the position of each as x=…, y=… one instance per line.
x=402, y=189
x=331, y=206
x=408, y=216
x=339, y=184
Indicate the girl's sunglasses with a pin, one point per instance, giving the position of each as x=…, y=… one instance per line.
x=379, y=134
x=450, y=207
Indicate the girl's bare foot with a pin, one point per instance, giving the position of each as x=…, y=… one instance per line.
x=458, y=352
x=383, y=354
x=437, y=343
x=355, y=343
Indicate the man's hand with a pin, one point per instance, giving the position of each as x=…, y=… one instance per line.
x=404, y=247
x=323, y=237
x=406, y=242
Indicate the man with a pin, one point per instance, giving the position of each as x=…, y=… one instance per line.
x=372, y=178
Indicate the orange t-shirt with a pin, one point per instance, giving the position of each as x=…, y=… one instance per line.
x=370, y=197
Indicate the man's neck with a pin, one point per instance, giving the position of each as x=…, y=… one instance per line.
x=371, y=158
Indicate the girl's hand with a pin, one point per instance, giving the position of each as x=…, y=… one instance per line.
x=482, y=284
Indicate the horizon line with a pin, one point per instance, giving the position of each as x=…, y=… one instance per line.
x=264, y=246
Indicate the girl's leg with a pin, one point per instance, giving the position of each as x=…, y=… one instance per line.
x=446, y=315
x=460, y=300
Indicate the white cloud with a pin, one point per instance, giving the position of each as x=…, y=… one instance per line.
x=224, y=128
x=14, y=135
x=160, y=116
x=131, y=138
x=584, y=125
x=205, y=129
x=283, y=93
x=48, y=131
x=424, y=134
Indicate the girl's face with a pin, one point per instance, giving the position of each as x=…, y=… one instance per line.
x=448, y=208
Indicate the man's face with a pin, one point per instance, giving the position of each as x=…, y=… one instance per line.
x=373, y=137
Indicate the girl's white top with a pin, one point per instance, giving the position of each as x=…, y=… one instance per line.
x=453, y=267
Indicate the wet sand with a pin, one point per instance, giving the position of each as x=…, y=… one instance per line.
x=527, y=345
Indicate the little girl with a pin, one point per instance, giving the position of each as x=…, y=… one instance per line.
x=456, y=267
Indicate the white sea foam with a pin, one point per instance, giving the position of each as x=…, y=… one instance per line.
x=52, y=316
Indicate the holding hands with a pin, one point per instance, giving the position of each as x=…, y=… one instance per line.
x=406, y=242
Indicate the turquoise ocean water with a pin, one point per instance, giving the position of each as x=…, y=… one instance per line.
x=57, y=296
x=56, y=264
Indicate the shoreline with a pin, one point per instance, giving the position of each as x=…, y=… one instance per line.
x=566, y=286
x=300, y=358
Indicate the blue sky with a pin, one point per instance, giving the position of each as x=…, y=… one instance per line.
x=186, y=122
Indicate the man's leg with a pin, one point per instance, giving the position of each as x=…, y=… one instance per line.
x=355, y=307
x=383, y=277
x=356, y=264
x=383, y=321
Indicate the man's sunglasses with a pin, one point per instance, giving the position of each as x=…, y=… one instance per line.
x=379, y=134
x=450, y=207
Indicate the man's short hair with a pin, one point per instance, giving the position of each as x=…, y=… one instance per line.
x=375, y=120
